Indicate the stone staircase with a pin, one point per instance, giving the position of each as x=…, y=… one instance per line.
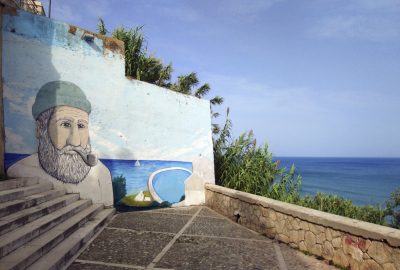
x=43, y=228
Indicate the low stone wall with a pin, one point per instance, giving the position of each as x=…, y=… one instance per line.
x=346, y=242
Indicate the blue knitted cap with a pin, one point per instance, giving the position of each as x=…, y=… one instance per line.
x=59, y=93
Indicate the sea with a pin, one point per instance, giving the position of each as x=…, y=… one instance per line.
x=169, y=184
x=362, y=180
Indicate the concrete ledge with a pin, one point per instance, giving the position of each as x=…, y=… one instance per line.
x=345, y=242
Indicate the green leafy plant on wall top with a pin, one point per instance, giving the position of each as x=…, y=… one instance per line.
x=101, y=27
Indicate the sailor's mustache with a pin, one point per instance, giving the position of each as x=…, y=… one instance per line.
x=89, y=158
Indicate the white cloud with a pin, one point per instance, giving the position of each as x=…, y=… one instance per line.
x=307, y=121
x=248, y=8
x=186, y=14
x=368, y=20
x=65, y=12
x=251, y=98
x=377, y=4
x=15, y=143
x=105, y=143
x=120, y=135
x=19, y=103
x=199, y=145
x=101, y=144
x=98, y=8
x=359, y=27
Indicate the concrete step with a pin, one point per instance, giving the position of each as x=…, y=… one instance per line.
x=20, y=218
x=26, y=233
x=18, y=182
x=24, y=256
x=14, y=206
x=18, y=193
x=61, y=255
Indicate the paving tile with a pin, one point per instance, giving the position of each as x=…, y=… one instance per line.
x=88, y=266
x=189, y=210
x=210, y=253
x=145, y=221
x=296, y=260
x=210, y=242
x=126, y=247
x=207, y=212
x=220, y=227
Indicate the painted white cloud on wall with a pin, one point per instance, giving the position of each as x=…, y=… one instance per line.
x=106, y=149
x=129, y=119
x=16, y=142
x=199, y=146
x=19, y=103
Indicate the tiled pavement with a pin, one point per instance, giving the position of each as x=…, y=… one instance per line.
x=186, y=238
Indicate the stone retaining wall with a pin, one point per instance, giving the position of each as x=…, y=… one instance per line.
x=343, y=241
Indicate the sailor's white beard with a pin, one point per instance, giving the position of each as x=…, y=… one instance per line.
x=64, y=167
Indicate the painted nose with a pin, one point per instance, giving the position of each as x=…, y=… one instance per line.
x=74, y=138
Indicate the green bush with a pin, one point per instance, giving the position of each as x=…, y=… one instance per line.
x=286, y=186
x=344, y=207
x=240, y=164
x=393, y=209
x=245, y=167
x=119, y=188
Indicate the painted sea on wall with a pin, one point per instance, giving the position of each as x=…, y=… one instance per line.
x=131, y=180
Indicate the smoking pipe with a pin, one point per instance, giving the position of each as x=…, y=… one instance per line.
x=89, y=159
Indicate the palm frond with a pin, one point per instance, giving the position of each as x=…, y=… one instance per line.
x=185, y=83
x=217, y=100
x=202, y=90
x=214, y=114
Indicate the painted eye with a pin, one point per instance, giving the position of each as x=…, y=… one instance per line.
x=66, y=124
x=80, y=125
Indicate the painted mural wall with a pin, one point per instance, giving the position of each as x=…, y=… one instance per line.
x=72, y=118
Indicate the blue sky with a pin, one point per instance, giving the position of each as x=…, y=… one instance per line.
x=311, y=78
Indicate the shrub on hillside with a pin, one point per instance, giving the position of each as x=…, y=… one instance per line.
x=393, y=209
x=242, y=165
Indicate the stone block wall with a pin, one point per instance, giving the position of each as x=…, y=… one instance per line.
x=343, y=241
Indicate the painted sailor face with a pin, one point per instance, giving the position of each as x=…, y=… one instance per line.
x=69, y=126
x=63, y=136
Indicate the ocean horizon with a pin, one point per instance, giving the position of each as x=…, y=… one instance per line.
x=136, y=174
x=364, y=180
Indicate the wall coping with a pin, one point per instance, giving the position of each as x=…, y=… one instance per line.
x=351, y=226
x=110, y=43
